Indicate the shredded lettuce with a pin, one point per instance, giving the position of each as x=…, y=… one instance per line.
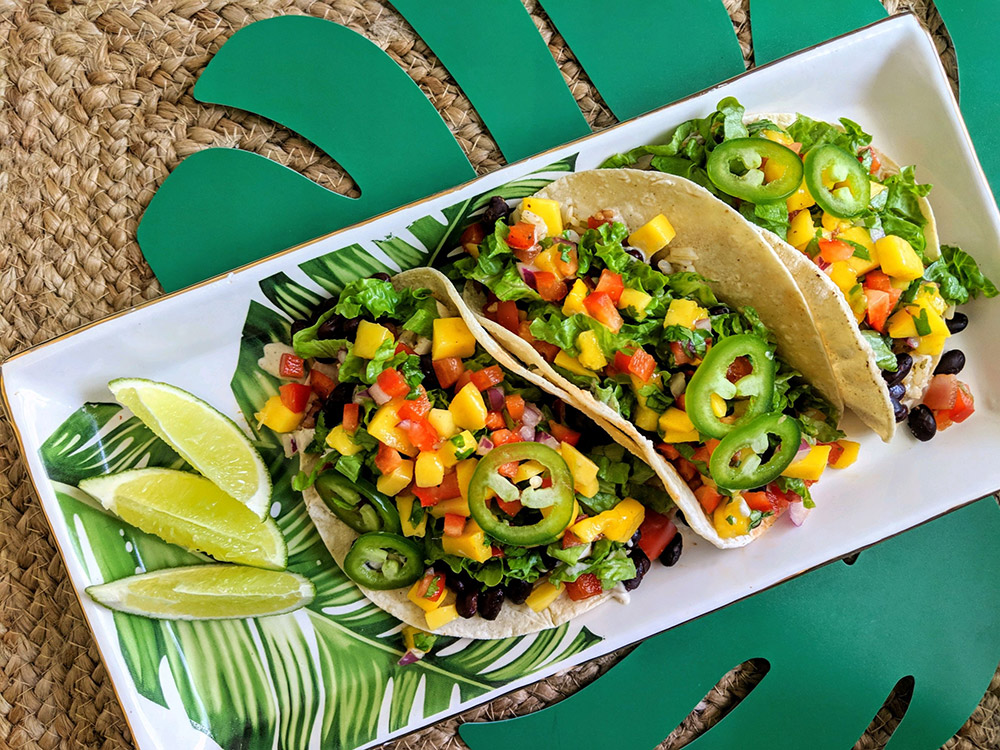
x=608, y=561
x=884, y=357
x=959, y=276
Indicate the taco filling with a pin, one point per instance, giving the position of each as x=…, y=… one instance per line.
x=865, y=223
x=699, y=379
x=466, y=486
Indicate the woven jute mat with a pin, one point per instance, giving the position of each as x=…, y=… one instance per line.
x=95, y=110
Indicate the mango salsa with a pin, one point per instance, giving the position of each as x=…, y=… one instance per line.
x=618, y=524
x=468, y=408
x=849, y=456
x=443, y=423
x=441, y=616
x=397, y=480
x=898, y=258
x=652, y=236
x=471, y=544
x=452, y=338
x=810, y=466
x=633, y=298
x=584, y=470
x=369, y=338
x=429, y=471
x=801, y=230
x=340, y=441
x=548, y=211
x=591, y=355
x=572, y=364
x=457, y=505
x=676, y=427
x=278, y=417
x=573, y=304
x=383, y=427
x=800, y=199
x=861, y=236
x=543, y=595
x=730, y=520
x=684, y=313
x=465, y=469
x=404, y=504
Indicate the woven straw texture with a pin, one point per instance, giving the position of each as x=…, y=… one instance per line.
x=95, y=110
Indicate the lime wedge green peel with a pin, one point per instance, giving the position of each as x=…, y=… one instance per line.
x=203, y=436
x=190, y=511
x=206, y=592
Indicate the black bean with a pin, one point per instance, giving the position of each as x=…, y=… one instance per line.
x=904, y=362
x=635, y=538
x=441, y=568
x=490, y=603
x=958, y=322
x=635, y=254
x=897, y=391
x=951, y=363
x=427, y=368
x=467, y=604
x=517, y=591
x=922, y=424
x=641, y=568
x=900, y=411
x=719, y=310
x=672, y=553
x=298, y=325
x=327, y=304
x=679, y=518
x=496, y=209
x=381, y=276
x=332, y=327
x=333, y=407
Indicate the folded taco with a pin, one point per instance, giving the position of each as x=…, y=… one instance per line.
x=858, y=234
x=706, y=358
x=462, y=493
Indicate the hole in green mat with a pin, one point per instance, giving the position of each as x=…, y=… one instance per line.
x=724, y=696
x=851, y=559
x=888, y=717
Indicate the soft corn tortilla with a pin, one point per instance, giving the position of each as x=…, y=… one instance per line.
x=514, y=619
x=859, y=378
x=741, y=268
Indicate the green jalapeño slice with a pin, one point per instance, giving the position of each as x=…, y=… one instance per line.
x=555, y=504
x=358, y=504
x=753, y=390
x=837, y=181
x=756, y=453
x=379, y=560
x=737, y=168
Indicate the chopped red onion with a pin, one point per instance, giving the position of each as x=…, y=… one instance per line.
x=803, y=451
x=689, y=347
x=408, y=658
x=527, y=274
x=293, y=445
x=362, y=395
x=546, y=439
x=703, y=324
x=495, y=395
x=797, y=513
x=532, y=416
x=527, y=434
x=485, y=446
x=912, y=342
x=380, y=396
x=405, y=424
x=822, y=263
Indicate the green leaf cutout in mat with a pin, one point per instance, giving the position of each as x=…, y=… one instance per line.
x=925, y=604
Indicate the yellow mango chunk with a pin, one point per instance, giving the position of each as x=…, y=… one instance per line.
x=800, y=199
x=429, y=471
x=591, y=355
x=468, y=408
x=645, y=418
x=903, y=325
x=527, y=470
x=676, y=427
x=618, y=524
x=278, y=417
x=929, y=296
x=584, y=470
x=404, y=504
x=443, y=423
x=548, y=211
x=449, y=451
x=932, y=344
x=811, y=465
x=369, y=338
x=635, y=299
x=572, y=364
x=684, y=313
x=543, y=595
x=730, y=520
x=898, y=258
x=465, y=470
x=383, y=427
x=441, y=616
x=340, y=441
x=546, y=261
x=573, y=304
x=843, y=276
x=427, y=605
x=849, y=456
x=397, y=480
x=861, y=236
x=832, y=223
x=778, y=137
x=457, y=505
x=652, y=236
x=719, y=405
x=801, y=230
x=452, y=338
x=471, y=544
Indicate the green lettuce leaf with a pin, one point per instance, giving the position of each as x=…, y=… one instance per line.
x=959, y=276
x=884, y=357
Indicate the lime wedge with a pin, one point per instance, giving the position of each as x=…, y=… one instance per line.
x=203, y=436
x=206, y=592
x=191, y=512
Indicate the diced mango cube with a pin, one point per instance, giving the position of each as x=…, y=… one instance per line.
x=932, y=344
x=546, y=261
x=903, y=324
x=527, y=470
x=457, y=505
x=443, y=423
x=383, y=427
x=572, y=364
x=676, y=427
x=898, y=258
x=635, y=299
x=584, y=470
x=429, y=471
x=573, y=304
x=452, y=450
x=833, y=223
x=468, y=408
x=843, y=276
x=877, y=189
x=369, y=337
x=645, y=418
x=773, y=170
x=618, y=524
x=340, y=441
x=849, y=455
x=548, y=211
x=278, y=417
x=591, y=355
x=684, y=313
x=543, y=595
x=801, y=230
x=441, y=616
x=404, y=504
x=652, y=236
x=861, y=236
x=811, y=465
x=427, y=605
x=929, y=296
x=452, y=338
x=397, y=480
x=730, y=520
x=800, y=199
x=465, y=469
x=471, y=543
x=778, y=137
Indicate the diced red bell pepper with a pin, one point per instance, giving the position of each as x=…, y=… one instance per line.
x=521, y=236
x=602, y=308
x=836, y=451
x=494, y=420
x=454, y=524
x=463, y=380
x=416, y=408
x=739, y=369
x=571, y=540
x=942, y=393
x=422, y=434
x=639, y=363
x=352, y=416
x=401, y=347
x=965, y=404
x=487, y=377
x=709, y=497
x=322, y=384
x=515, y=406
x=431, y=586
x=547, y=350
x=655, y=533
x=601, y=217
x=879, y=309
x=834, y=250
x=680, y=353
x=584, y=587
x=387, y=460
x=447, y=490
x=291, y=366
x=510, y=508
x=686, y=469
x=295, y=396
x=702, y=453
x=496, y=551
x=551, y=288
x=759, y=501
x=876, y=165
x=563, y=434
x=507, y=315
x=392, y=383
x=669, y=451
x=448, y=370
x=876, y=279
x=508, y=469
x=474, y=234
x=611, y=284
x=504, y=436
